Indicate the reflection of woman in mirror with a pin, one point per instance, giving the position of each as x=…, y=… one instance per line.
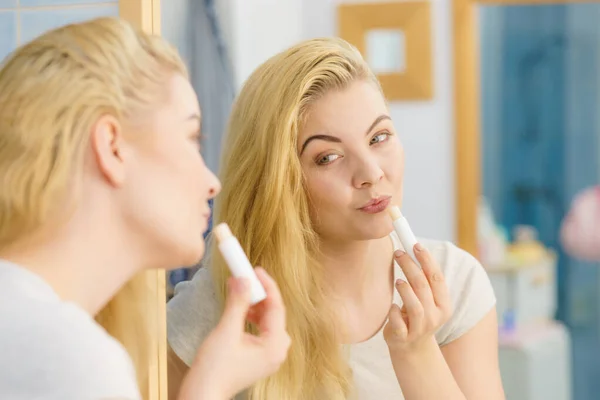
x=312, y=161
x=102, y=178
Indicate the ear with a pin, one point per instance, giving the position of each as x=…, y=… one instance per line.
x=107, y=146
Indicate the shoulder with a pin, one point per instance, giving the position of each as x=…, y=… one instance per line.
x=470, y=289
x=456, y=264
x=56, y=350
x=192, y=314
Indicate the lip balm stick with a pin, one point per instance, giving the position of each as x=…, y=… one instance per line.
x=238, y=263
x=405, y=234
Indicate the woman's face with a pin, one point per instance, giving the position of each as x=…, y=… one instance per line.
x=168, y=185
x=353, y=162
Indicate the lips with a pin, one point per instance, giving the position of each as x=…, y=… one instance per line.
x=206, y=217
x=376, y=205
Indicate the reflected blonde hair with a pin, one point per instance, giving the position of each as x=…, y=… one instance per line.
x=52, y=91
x=265, y=202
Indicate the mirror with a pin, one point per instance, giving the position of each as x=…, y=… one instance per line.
x=385, y=50
x=538, y=147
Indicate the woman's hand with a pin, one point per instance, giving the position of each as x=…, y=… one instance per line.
x=230, y=359
x=426, y=306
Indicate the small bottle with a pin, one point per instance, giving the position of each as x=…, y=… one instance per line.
x=238, y=263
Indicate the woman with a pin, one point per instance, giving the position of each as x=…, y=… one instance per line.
x=312, y=162
x=101, y=179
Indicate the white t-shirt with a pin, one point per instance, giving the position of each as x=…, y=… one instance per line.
x=54, y=350
x=194, y=311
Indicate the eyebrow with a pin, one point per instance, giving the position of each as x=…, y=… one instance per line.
x=334, y=139
x=382, y=117
x=326, y=138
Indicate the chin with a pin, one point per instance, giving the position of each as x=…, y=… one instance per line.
x=196, y=254
x=375, y=229
x=378, y=233
x=188, y=253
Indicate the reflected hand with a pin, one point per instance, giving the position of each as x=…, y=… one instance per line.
x=426, y=305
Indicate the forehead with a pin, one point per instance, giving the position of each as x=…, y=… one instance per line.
x=182, y=96
x=345, y=112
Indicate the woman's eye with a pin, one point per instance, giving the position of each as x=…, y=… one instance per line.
x=327, y=159
x=197, y=139
x=381, y=137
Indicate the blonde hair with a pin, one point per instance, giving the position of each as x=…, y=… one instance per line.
x=52, y=91
x=266, y=205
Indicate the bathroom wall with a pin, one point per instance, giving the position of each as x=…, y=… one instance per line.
x=426, y=128
x=22, y=20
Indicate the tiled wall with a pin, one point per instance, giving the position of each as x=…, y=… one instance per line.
x=22, y=20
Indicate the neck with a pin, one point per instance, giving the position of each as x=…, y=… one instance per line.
x=84, y=266
x=356, y=268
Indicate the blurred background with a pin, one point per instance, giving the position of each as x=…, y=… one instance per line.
x=533, y=142
x=540, y=92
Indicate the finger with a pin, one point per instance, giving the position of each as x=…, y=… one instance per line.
x=414, y=309
x=396, y=327
x=416, y=278
x=272, y=308
x=434, y=275
x=237, y=304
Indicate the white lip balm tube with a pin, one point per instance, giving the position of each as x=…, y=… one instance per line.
x=405, y=234
x=238, y=263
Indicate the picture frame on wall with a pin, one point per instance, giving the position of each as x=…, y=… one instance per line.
x=395, y=40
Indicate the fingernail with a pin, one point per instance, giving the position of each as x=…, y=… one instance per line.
x=418, y=247
x=398, y=253
x=400, y=282
x=438, y=277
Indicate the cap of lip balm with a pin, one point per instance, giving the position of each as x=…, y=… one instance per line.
x=394, y=212
x=238, y=263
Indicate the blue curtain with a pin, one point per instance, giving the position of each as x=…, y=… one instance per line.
x=212, y=78
x=541, y=98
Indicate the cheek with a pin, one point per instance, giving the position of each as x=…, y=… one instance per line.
x=172, y=207
x=177, y=168
x=329, y=193
x=393, y=162
x=191, y=177
x=175, y=181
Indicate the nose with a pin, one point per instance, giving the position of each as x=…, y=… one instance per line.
x=367, y=173
x=214, y=185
